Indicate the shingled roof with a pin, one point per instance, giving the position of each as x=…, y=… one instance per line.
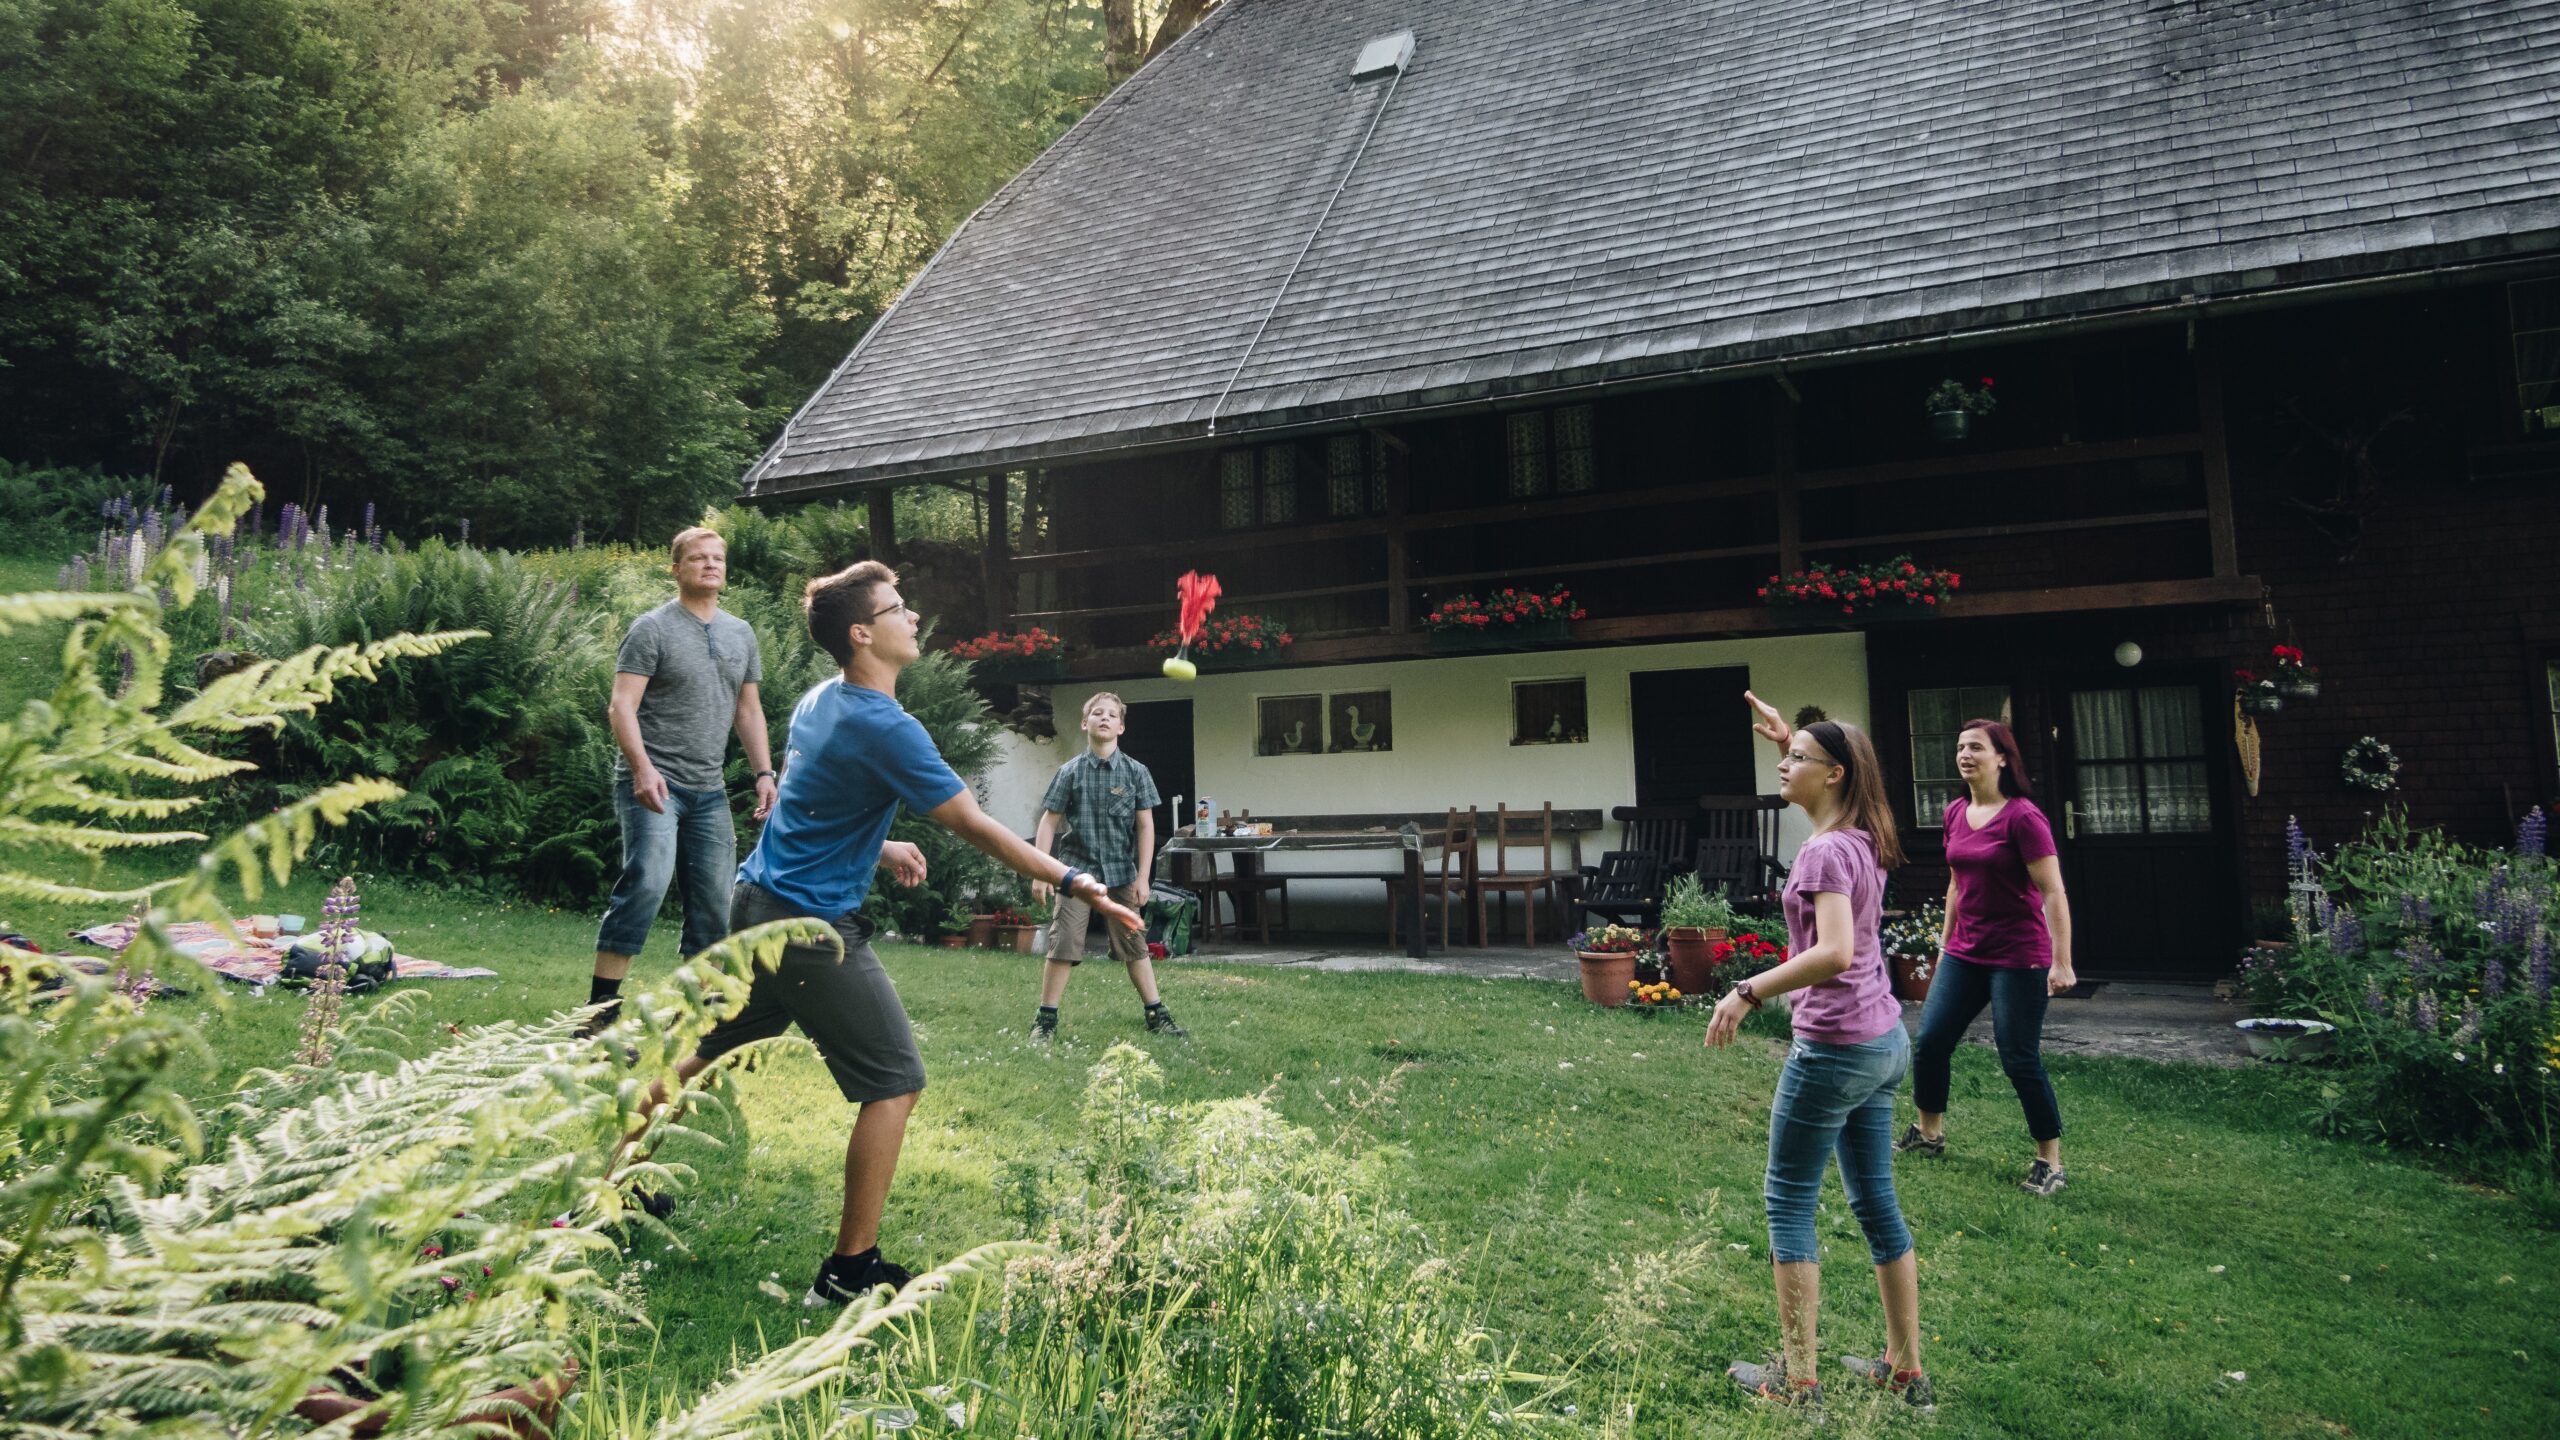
x=1559, y=194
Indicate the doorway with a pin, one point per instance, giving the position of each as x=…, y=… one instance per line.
x=1692, y=734
x=2145, y=830
x=1158, y=736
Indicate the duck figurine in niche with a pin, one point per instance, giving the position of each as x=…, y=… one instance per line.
x=1363, y=737
x=1555, y=730
x=1296, y=739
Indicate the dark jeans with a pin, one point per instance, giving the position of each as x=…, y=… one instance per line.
x=2017, y=999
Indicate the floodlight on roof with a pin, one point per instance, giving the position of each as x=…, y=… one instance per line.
x=1386, y=55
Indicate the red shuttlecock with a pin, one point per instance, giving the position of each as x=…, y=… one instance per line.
x=1199, y=596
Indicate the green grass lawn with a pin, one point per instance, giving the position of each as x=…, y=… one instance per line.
x=1538, y=1140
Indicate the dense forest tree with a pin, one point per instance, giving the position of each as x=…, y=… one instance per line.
x=527, y=263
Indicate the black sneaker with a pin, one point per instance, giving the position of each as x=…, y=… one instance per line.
x=1769, y=1381
x=1044, y=1027
x=599, y=1022
x=658, y=1205
x=844, y=1279
x=1913, y=1142
x=2044, y=1178
x=1916, y=1391
x=1161, y=1021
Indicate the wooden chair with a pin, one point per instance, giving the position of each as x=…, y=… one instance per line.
x=1247, y=878
x=1655, y=842
x=1458, y=848
x=1625, y=888
x=1741, y=831
x=1524, y=882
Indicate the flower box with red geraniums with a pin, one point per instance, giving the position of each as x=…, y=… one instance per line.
x=1238, y=639
x=1032, y=654
x=2295, y=678
x=1507, y=619
x=1852, y=589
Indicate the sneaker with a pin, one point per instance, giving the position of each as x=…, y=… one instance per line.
x=1769, y=1381
x=2043, y=1178
x=1044, y=1027
x=659, y=1206
x=1161, y=1021
x=1913, y=1142
x=599, y=1022
x=843, y=1279
x=1915, y=1391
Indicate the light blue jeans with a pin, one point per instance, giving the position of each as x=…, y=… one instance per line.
x=1836, y=1098
x=697, y=829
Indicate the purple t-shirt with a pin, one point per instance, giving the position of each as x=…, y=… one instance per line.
x=1856, y=1005
x=1999, y=914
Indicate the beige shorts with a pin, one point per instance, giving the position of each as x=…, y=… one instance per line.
x=1067, y=928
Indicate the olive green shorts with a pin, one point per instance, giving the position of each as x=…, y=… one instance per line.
x=848, y=1009
x=1067, y=930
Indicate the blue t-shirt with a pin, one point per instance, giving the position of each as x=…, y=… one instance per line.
x=853, y=756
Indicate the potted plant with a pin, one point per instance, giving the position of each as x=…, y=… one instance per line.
x=1508, y=619
x=2256, y=693
x=1233, y=640
x=2295, y=678
x=1015, y=930
x=1645, y=998
x=2280, y=1038
x=1693, y=921
x=1015, y=655
x=1953, y=404
x=982, y=924
x=955, y=927
x=1898, y=584
x=1608, y=956
x=1913, y=944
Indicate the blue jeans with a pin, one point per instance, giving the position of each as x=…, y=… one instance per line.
x=1836, y=1098
x=2017, y=999
x=696, y=828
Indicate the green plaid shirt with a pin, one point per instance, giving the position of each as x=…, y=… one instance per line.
x=1101, y=800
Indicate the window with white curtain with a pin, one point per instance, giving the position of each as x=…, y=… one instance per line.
x=2138, y=760
x=1937, y=718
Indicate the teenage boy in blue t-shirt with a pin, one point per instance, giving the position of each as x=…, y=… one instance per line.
x=854, y=756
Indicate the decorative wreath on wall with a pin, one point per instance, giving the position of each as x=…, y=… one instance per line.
x=2370, y=765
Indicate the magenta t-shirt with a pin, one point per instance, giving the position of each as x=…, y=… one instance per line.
x=1856, y=1005
x=1999, y=914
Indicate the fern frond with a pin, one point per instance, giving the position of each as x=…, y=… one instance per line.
x=14, y=886
x=48, y=607
x=85, y=839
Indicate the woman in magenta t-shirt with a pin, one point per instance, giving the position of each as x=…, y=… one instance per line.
x=2008, y=946
x=1836, y=1092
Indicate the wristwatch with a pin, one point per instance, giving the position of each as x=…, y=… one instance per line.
x=761, y=774
x=1749, y=997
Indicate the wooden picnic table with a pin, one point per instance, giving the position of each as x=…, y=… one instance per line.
x=1408, y=840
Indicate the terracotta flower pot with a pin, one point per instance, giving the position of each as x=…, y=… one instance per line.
x=1691, y=951
x=954, y=941
x=1908, y=985
x=1016, y=938
x=321, y=1405
x=982, y=931
x=1606, y=974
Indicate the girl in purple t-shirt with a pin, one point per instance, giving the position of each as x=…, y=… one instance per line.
x=2008, y=946
x=1835, y=1094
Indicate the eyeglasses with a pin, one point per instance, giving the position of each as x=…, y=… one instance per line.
x=901, y=608
x=1798, y=757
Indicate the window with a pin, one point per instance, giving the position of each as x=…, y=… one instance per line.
x=1257, y=487
x=1363, y=721
x=1355, y=475
x=1550, y=712
x=1289, y=725
x=2138, y=761
x=2533, y=319
x=1551, y=452
x=1937, y=718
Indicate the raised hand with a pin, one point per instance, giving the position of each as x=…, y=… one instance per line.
x=1770, y=726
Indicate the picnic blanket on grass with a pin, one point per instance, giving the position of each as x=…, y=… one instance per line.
x=250, y=960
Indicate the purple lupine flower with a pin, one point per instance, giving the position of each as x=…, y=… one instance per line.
x=2538, y=965
x=2532, y=833
x=2519, y=915
x=2373, y=1000
x=2422, y=957
x=2345, y=932
x=168, y=496
x=368, y=518
x=287, y=520
x=2429, y=1015
x=2469, y=1029
x=2493, y=978
x=2296, y=845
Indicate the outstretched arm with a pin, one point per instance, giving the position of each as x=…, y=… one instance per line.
x=961, y=816
x=1769, y=725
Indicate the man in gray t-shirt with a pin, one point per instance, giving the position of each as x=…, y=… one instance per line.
x=684, y=679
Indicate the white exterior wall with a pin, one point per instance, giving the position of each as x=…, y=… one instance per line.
x=1452, y=743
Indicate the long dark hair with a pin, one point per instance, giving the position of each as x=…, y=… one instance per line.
x=2013, y=773
x=1862, y=802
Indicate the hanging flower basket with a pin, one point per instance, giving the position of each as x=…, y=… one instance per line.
x=1950, y=424
x=2257, y=694
x=2295, y=678
x=1953, y=404
x=1897, y=585
x=2370, y=765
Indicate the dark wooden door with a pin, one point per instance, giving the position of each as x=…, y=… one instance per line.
x=1692, y=734
x=2144, y=830
x=1158, y=736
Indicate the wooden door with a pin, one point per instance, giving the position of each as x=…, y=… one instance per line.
x=2144, y=831
x=1158, y=736
x=1692, y=734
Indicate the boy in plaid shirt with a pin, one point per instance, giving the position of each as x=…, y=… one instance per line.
x=1107, y=801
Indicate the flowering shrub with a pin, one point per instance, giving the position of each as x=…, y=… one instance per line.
x=1659, y=993
x=1607, y=940
x=1032, y=644
x=1744, y=956
x=1505, y=607
x=1897, y=581
x=1955, y=395
x=1226, y=635
x=2433, y=959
